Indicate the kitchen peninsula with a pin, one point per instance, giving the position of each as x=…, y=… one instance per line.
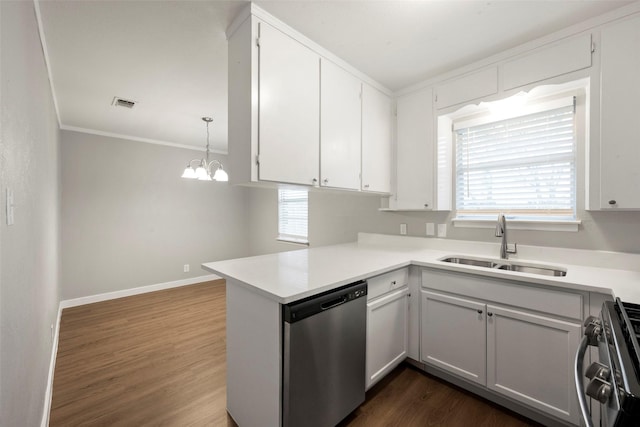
x=258, y=286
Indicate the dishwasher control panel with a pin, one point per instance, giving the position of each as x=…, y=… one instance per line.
x=304, y=308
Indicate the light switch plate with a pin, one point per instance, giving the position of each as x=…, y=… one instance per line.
x=442, y=230
x=403, y=229
x=9, y=200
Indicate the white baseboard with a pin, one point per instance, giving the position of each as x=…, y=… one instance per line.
x=97, y=298
x=52, y=365
x=135, y=291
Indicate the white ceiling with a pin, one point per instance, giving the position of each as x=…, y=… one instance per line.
x=171, y=56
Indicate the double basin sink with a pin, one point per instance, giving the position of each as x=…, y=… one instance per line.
x=508, y=266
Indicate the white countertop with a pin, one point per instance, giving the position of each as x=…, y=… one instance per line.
x=290, y=276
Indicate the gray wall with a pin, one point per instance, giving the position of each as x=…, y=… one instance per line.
x=129, y=220
x=334, y=217
x=29, y=261
x=338, y=217
x=612, y=231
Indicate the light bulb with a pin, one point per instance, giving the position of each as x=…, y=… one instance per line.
x=220, y=175
x=189, y=172
x=201, y=173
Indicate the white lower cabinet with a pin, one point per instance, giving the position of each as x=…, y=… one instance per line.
x=524, y=355
x=453, y=335
x=387, y=333
x=530, y=359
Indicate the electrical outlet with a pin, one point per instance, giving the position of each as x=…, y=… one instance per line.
x=186, y=268
x=403, y=229
x=442, y=230
x=430, y=229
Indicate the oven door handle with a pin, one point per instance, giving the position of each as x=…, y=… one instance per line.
x=579, y=375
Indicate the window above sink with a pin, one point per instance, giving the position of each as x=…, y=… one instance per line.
x=518, y=156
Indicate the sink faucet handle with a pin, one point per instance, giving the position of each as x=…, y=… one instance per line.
x=514, y=250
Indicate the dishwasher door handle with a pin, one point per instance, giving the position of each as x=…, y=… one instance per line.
x=333, y=303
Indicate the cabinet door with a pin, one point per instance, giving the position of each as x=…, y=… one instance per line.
x=454, y=335
x=289, y=98
x=376, y=140
x=340, y=127
x=387, y=333
x=415, y=161
x=530, y=359
x=619, y=113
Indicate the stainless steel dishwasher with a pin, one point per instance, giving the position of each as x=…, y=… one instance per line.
x=324, y=357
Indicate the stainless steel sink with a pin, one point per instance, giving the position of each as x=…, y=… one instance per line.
x=508, y=266
x=471, y=261
x=531, y=269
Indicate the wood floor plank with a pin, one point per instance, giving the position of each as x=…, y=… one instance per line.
x=160, y=359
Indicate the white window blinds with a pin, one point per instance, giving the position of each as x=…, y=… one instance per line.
x=524, y=166
x=292, y=215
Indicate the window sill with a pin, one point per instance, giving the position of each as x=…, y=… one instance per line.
x=516, y=224
x=293, y=240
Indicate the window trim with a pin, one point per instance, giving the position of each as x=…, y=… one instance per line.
x=547, y=95
x=520, y=224
x=293, y=238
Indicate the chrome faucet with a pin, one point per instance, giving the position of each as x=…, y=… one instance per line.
x=501, y=231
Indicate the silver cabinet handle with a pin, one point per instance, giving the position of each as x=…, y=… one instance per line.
x=426, y=205
x=366, y=186
x=326, y=181
x=489, y=313
x=314, y=180
x=479, y=311
x=612, y=202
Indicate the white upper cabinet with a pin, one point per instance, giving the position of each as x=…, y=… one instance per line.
x=376, y=140
x=415, y=163
x=619, y=115
x=467, y=88
x=549, y=61
x=340, y=127
x=289, y=123
x=296, y=114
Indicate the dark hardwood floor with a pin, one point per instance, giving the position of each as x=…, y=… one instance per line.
x=159, y=359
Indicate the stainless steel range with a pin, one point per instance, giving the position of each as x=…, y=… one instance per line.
x=614, y=380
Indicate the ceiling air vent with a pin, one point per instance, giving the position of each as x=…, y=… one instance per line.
x=121, y=102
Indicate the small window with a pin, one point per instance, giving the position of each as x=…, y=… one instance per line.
x=522, y=166
x=293, y=215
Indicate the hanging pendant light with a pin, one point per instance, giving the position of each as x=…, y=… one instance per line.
x=203, y=170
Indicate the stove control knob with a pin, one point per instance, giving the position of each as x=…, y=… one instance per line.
x=598, y=370
x=592, y=329
x=599, y=390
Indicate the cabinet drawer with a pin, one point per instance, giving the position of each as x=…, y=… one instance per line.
x=386, y=282
x=512, y=293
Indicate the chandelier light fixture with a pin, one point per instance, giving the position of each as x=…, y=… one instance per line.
x=204, y=169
